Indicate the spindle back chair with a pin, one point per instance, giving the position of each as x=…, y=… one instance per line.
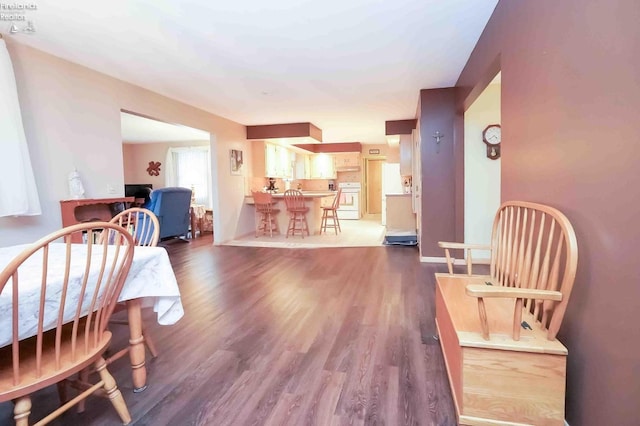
x=72, y=314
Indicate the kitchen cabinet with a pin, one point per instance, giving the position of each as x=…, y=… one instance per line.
x=272, y=160
x=347, y=161
x=323, y=166
x=303, y=167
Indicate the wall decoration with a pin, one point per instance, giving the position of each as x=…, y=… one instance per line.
x=76, y=189
x=374, y=151
x=236, y=162
x=154, y=168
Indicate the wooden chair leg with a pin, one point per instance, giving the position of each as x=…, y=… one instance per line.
x=62, y=391
x=323, y=222
x=21, y=411
x=301, y=227
x=335, y=213
x=113, y=393
x=335, y=224
x=274, y=225
x=259, y=219
x=291, y=216
x=306, y=225
x=149, y=342
x=83, y=377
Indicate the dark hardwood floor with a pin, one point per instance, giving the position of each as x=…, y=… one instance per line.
x=287, y=337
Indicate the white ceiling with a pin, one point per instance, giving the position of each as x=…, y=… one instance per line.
x=136, y=129
x=344, y=65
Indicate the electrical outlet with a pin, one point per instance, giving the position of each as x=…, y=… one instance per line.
x=111, y=189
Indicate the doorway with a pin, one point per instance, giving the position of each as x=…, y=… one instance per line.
x=481, y=172
x=181, y=156
x=373, y=183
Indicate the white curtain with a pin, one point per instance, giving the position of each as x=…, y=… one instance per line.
x=190, y=168
x=18, y=192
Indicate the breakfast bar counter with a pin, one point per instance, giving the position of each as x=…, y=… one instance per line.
x=312, y=199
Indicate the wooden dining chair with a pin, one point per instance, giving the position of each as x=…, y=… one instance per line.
x=72, y=317
x=141, y=223
x=331, y=212
x=265, y=212
x=294, y=200
x=143, y=226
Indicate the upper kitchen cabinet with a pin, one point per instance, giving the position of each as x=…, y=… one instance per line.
x=347, y=161
x=406, y=148
x=303, y=166
x=271, y=160
x=323, y=166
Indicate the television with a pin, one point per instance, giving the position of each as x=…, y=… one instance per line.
x=137, y=190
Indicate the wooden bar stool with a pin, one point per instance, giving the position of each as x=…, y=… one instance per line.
x=331, y=212
x=294, y=201
x=264, y=207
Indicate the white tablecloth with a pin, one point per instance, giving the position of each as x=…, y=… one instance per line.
x=151, y=277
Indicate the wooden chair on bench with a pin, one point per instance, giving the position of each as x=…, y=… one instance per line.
x=498, y=331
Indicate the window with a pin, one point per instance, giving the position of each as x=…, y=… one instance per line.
x=191, y=168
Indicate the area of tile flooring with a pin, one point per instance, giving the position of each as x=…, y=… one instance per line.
x=355, y=233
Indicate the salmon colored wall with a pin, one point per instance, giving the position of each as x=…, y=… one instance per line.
x=570, y=130
x=136, y=159
x=71, y=116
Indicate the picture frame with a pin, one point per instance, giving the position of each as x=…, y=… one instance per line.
x=236, y=160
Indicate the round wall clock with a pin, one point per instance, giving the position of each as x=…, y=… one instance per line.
x=492, y=136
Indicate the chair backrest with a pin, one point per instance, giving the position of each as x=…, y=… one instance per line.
x=534, y=246
x=263, y=201
x=171, y=206
x=336, y=200
x=293, y=199
x=141, y=223
x=64, y=284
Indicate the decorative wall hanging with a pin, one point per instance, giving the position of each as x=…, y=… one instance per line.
x=236, y=162
x=154, y=168
x=438, y=137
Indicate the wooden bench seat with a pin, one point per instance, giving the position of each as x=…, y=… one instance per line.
x=498, y=332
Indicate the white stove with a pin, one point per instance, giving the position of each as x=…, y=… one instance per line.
x=349, y=200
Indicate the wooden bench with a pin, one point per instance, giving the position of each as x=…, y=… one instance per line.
x=498, y=331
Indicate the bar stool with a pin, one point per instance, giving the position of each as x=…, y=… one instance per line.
x=264, y=207
x=331, y=212
x=294, y=201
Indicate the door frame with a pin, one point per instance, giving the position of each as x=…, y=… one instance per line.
x=365, y=180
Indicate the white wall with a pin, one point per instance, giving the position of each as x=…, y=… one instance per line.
x=71, y=116
x=481, y=174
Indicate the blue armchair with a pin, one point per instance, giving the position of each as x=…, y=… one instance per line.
x=172, y=207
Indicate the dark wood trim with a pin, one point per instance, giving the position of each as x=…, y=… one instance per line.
x=399, y=127
x=289, y=130
x=331, y=147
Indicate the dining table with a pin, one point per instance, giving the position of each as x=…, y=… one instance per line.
x=150, y=282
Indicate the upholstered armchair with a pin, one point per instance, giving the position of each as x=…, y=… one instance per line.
x=172, y=207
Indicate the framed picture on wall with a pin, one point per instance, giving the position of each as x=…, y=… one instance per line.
x=236, y=162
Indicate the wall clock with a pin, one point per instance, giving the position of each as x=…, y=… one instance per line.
x=492, y=136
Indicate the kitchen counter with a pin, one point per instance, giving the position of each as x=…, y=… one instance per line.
x=312, y=199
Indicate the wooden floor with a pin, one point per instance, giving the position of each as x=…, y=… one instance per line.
x=287, y=337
